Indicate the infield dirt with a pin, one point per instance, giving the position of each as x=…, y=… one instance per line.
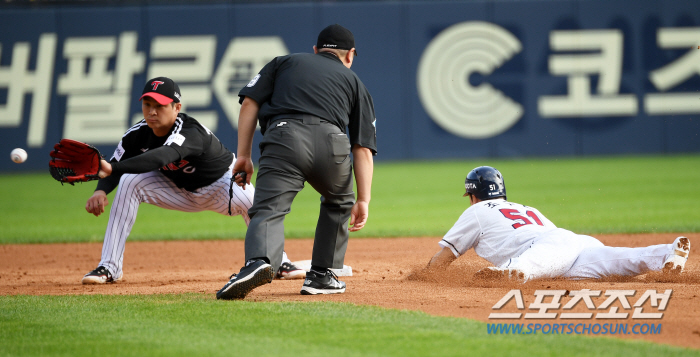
x=386, y=272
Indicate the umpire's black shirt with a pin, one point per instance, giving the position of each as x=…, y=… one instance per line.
x=315, y=84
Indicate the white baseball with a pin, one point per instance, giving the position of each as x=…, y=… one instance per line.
x=18, y=155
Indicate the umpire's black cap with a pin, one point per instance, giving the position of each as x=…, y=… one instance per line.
x=163, y=89
x=336, y=36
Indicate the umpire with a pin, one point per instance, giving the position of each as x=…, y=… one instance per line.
x=304, y=103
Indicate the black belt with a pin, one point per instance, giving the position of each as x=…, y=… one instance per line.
x=305, y=118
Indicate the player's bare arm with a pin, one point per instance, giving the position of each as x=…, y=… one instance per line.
x=442, y=259
x=96, y=203
x=247, y=121
x=105, y=169
x=363, y=164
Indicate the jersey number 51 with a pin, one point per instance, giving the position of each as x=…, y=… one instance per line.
x=515, y=215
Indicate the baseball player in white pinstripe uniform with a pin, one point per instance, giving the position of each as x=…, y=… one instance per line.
x=170, y=160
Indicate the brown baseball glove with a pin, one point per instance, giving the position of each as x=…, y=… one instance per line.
x=74, y=161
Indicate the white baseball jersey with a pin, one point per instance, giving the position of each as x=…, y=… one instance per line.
x=514, y=236
x=497, y=230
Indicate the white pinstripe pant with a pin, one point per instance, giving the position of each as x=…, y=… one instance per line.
x=154, y=188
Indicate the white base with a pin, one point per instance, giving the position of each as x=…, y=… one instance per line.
x=306, y=265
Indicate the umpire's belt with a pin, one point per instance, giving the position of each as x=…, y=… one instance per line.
x=305, y=118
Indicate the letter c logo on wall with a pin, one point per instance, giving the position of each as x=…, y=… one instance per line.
x=443, y=80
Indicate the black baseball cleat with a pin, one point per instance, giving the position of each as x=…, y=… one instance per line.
x=255, y=273
x=100, y=276
x=322, y=283
x=290, y=271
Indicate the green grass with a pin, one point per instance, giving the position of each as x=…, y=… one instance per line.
x=591, y=195
x=196, y=324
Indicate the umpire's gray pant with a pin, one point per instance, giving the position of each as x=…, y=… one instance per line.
x=294, y=151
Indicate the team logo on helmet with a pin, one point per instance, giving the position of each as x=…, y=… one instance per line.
x=485, y=182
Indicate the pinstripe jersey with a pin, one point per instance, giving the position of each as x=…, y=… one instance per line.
x=200, y=158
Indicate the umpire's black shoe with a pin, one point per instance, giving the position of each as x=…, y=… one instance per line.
x=255, y=273
x=322, y=283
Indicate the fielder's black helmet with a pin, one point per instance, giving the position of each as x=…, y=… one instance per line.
x=485, y=183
